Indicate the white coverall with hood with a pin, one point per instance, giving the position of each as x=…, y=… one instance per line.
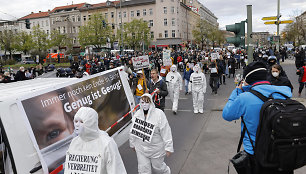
x=152, y=153
x=197, y=86
x=93, y=140
x=175, y=84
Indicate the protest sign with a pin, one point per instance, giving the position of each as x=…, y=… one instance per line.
x=167, y=58
x=143, y=130
x=83, y=163
x=141, y=62
x=50, y=113
x=214, y=56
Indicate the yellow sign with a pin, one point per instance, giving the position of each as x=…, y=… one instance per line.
x=270, y=22
x=269, y=18
x=286, y=22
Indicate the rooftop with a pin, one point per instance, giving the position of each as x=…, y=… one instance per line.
x=35, y=15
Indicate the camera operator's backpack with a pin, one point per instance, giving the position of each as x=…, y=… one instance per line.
x=281, y=133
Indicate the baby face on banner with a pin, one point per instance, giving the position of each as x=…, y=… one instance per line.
x=78, y=125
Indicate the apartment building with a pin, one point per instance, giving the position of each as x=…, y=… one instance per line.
x=40, y=19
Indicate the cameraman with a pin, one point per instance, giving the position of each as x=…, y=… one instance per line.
x=244, y=104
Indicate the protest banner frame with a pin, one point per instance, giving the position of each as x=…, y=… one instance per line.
x=24, y=123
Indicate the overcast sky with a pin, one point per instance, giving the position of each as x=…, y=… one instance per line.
x=227, y=11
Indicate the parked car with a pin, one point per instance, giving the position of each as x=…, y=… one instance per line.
x=28, y=61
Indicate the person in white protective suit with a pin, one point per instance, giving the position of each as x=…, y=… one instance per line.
x=151, y=137
x=175, y=84
x=91, y=140
x=197, y=86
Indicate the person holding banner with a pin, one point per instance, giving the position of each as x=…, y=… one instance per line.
x=141, y=86
x=198, y=87
x=92, y=151
x=151, y=137
x=175, y=84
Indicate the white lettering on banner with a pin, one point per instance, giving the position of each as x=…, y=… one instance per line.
x=215, y=56
x=197, y=80
x=143, y=130
x=141, y=62
x=83, y=163
x=167, y=58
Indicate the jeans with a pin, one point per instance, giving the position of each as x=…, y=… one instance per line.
x=186, y=85
x=137, y=100
x=213, y=83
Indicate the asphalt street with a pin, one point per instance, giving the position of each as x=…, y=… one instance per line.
x=203, y=143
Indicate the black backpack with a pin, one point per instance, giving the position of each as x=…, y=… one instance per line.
x=281, y=133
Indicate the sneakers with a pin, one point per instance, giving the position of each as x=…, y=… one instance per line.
x=195, y=111
x=201, y=111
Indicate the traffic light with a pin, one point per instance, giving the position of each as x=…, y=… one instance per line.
x=28, y=24
x=239, y=30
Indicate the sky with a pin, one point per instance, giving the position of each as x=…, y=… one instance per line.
x=227, y=11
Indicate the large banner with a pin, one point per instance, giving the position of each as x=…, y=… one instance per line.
x=51, y=114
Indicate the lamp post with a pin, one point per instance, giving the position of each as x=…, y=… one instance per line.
x=121, y=28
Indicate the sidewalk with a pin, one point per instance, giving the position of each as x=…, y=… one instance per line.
x=217, y=144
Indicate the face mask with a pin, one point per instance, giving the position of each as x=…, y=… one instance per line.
x=78, y=126
x=173, y=69
x=196, y=69
x=275, y=74
x=145, y=106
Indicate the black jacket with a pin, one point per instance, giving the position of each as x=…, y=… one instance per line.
x=280, y=81
x=159, y=99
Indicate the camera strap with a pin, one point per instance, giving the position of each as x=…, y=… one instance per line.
x=242, y=136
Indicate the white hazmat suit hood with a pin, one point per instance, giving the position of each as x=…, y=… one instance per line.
x=92, y=141
x=91, y=129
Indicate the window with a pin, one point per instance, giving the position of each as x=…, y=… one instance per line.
x=172, y=0
x=47, y=23
x=47, y=32
x=173, y=33
x=33, y=23
x=106, y=15
x=150, y=23
x=124, y=14
x=73, y=30
x=74, y=40
x=138, y=13
x=64, y=29
x=151, y=11
x=119, y=14
x=172, y=9
x=132, y=13
x=166, y=33
x=79, y=18
x=84, y=18
x=144, y=12
x=152, y=35
x=112, y=14
x=161, y=0
x=73, y=18
x=173, y=21
x=42, y=23
x=113, y=26
x=89, y=17
x=165, y=22
x=165, y=10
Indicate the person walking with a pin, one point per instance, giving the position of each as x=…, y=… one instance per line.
x=214, y=77
x=246, y=105
x=186, y=76
x=175, y=84
x=158, y=85
x=302, y=77
x=151, y=148
x=197, y=86
x=140, y=86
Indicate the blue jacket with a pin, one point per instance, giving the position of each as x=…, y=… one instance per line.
x=187, y=74
x=248, y=105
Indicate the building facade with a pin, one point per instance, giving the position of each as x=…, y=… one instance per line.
x=40, y=19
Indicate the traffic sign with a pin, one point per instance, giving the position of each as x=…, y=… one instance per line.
x=269, y=18
x=270, y=22
x=286, y=22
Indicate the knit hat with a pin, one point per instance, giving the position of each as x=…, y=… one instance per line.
x=255, y=71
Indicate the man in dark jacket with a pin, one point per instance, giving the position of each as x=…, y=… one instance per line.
x=158, y=84
x=20, y=75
